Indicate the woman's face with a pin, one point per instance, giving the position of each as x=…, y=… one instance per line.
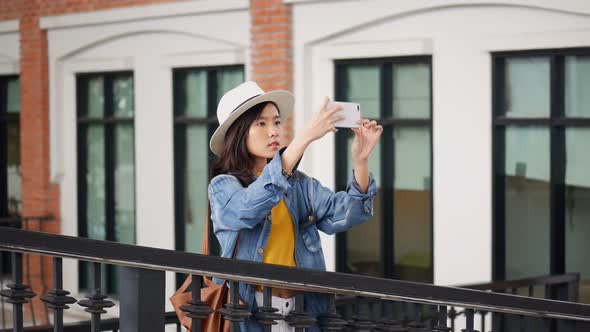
x=265, y=133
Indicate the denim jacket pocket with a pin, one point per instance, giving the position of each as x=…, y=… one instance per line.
x=311, y=238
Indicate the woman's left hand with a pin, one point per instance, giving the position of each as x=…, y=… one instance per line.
x=365, y=140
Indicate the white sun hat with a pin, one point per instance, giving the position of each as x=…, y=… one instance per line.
x=240, y=99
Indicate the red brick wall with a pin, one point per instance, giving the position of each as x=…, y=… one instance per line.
x=271, y=51
x=39, y=196
x=272, y=69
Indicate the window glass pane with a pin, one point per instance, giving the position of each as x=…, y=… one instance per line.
x=195, y=179
x=97, y=174
x=123, y=96
x=411, y=90
x=363, y=253
x=227, y=79
x=363, y=242
x=527, y=87
x=411, y=98
x=577, y=207
x=195, y=92
x=14, y=169
x=13, y=96
x=95, y=183
x=95, y=97
x=191, y=141
x=124, y=184
x=362, y=87
x=527, y=173
x=412, y=205
x=577, y=86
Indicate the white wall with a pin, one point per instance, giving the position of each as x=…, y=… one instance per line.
x=460, y=36
x=9, y=48
x=148, y=42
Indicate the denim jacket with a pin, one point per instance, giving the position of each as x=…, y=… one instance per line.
x=246, y=211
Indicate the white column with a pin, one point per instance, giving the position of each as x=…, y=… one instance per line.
x=462, y=162
x=154, y=156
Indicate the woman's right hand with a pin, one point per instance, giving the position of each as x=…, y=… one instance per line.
x=322, y=122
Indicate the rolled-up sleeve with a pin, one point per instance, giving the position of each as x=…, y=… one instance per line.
x=366, y=198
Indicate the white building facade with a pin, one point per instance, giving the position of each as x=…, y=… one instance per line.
x=486, y=105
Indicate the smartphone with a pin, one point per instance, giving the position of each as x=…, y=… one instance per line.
x=351, y=113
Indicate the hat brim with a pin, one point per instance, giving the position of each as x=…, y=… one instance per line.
x=283, y=99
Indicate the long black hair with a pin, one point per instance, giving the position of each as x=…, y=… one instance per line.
x=235, y=158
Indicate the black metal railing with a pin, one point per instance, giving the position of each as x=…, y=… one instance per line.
x=346, y=305
x=146, y=266
x=109, y=324
x=552, y=286
x=5, y=263
x=549, y=283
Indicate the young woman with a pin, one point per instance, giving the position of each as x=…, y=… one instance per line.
x=257, y=194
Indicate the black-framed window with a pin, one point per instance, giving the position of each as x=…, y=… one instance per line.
x=10, y=178
x=397, y=241
x=106, y=163
x=196, y=94
x=10, y=165
x=541, y=162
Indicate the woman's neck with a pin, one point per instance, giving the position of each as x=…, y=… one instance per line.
x=260, y=163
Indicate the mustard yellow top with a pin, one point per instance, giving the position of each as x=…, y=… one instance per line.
x=280, y=246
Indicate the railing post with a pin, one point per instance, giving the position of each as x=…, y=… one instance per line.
x=234, y=311
x=441, y=325
x=96, y=302
x=203, y=307
x=266, y=314
x=362, y=321
x=142, y=300
x=388, y=322
x=483, y=314
x=298, y=318
x=196, y=309
x=18, y=294
x=452, y=317
x=417, y=325
x=469, y=325
x=331, y=320
x=58, y=299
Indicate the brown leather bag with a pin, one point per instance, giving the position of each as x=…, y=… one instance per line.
x=215, y=295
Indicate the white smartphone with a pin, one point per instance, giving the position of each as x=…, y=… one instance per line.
x=351, y=113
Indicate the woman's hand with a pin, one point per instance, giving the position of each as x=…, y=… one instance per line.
x=322, y=122
x=365, y=139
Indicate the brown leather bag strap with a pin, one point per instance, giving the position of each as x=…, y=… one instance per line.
x=205, y=242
